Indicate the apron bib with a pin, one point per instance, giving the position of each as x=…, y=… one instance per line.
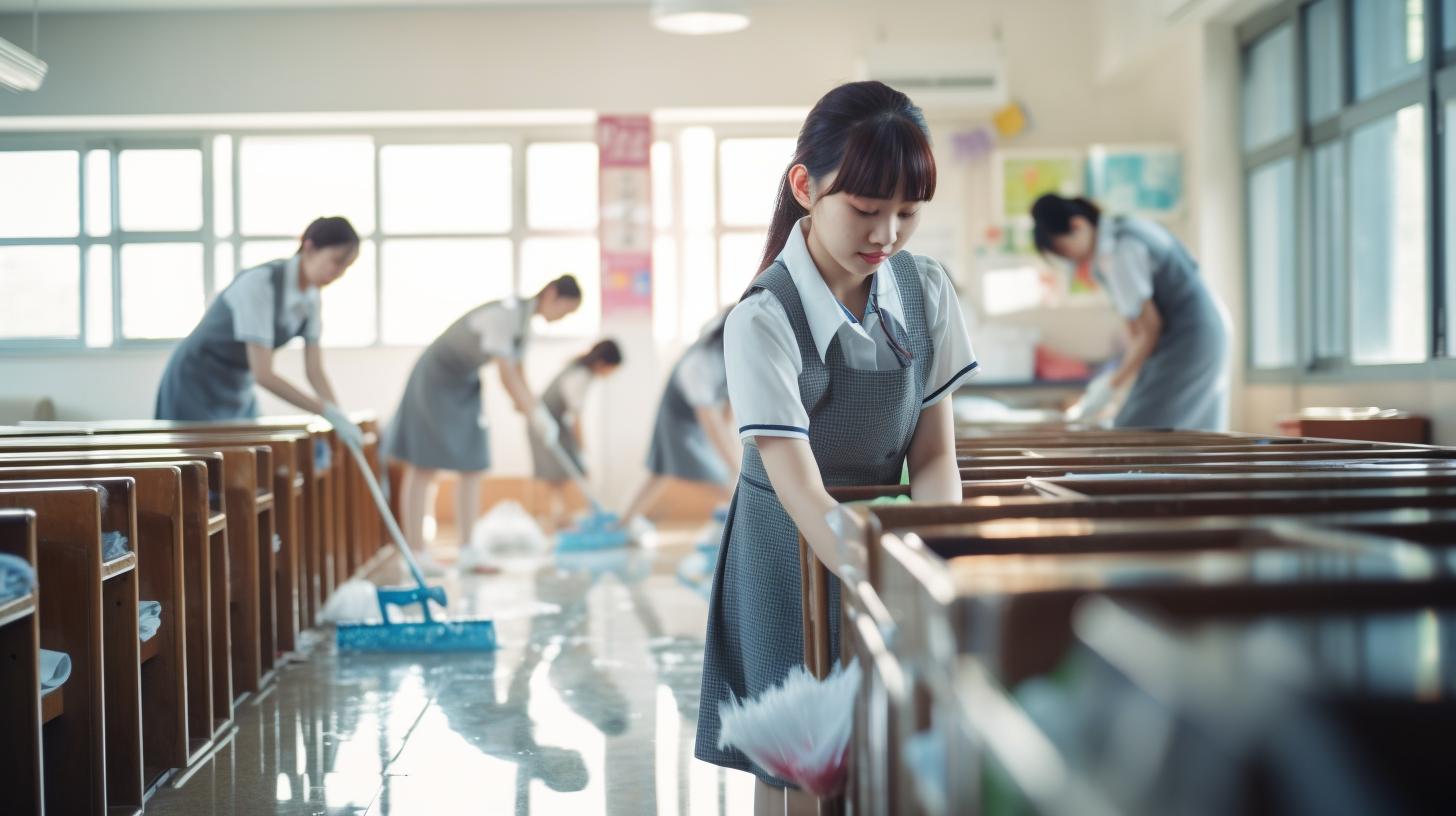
x=860, y=426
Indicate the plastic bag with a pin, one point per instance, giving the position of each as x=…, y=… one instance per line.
x=506, y=530
x=355, y=601
x=798, y=731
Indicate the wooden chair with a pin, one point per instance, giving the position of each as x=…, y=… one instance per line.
x=21, y=774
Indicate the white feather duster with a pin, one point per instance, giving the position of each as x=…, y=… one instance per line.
x=799, y=730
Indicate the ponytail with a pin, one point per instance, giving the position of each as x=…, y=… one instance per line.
x=1053, y=215
x=874, y=136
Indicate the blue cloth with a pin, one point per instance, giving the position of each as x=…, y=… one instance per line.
x=861, y=424
x=323, y=455
x=16, y=577
x=55, y=669
x=149, y=619
x=113, y=546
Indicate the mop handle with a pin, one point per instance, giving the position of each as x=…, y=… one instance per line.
x=569, y=465
x=383, y=505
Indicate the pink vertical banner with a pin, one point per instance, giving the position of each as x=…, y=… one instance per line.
x=625, y=145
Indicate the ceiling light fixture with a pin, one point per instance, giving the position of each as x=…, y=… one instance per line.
x=700, y=16
x=19, y=69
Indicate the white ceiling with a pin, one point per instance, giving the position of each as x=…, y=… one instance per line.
x=13, y=6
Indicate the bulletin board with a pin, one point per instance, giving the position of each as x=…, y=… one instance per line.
x=1022, y=176
x=1143, y=180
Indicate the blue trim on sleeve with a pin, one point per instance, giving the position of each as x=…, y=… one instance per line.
x=948, y=383
x=746, y=428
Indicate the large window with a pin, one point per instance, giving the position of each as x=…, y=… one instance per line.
x=1348, y=271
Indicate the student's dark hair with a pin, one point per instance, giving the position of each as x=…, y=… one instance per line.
x=606, y=352
x=874, y=136
x=1052, y=215
x=333, y=230
x=565, y=286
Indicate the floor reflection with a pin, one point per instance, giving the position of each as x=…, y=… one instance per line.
x=588, y=708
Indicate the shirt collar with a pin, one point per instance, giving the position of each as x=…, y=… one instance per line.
x=292, y=296
x=826, y=315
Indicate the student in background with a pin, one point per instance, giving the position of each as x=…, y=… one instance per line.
x=840, y=359
x=564, y=398
x=694, y=438
x=211, y=373
x=1179, y=350
x=441, y=423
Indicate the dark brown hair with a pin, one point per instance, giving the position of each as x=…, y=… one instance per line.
x=566, y=286
x=1052, y=215
x=333, y=230
x=607, y=352
x=874, y=136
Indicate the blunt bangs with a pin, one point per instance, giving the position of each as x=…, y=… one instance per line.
x=881, y=154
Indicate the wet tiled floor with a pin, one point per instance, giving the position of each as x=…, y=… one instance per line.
x=589, y=707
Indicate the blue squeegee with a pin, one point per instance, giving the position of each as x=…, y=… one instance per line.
x=599, y=531
x=428, y=635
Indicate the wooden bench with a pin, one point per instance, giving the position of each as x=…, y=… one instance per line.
x=161, y=572
x=88, y=609
x=21, y=773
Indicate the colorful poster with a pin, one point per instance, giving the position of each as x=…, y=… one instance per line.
x=1025, y=176
x=1144, y=180
x=624, y=144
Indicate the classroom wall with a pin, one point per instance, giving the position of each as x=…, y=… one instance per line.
x=608, y=59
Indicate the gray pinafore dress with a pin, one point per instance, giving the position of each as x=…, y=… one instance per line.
x=860, y=426
x=208, y=377
x=680, y=445
x=1184, y=383
x=547, y=466
x=440, y=422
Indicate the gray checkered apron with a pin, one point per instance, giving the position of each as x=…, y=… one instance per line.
x=860, y=425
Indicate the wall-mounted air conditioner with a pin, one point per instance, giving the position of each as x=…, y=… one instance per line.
x=941, y=75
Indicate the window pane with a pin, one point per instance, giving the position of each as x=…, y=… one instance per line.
x=98, y=296
x=42, y=196
x=738, y=257
x=1269, y=88
x=1388, y=232
x=1271, y=264
x=699, y=195
x=350, y=303
x=662, y=197
x=98, y=193
x=545, y=259
x=561, y=185
x=1450, y=192
x=42, y=286
x=438, y=189
x=257, y=253
x=1390, y=43
x=750, y=172
x=161, y=190
x=428, y=283
x=222, y=267
x=222, y=186
x=699, y=284
x=665, y=301
x=1448, y=24
x=1322, y=58
x=288, y=181
x=1327, y=238
x=161, y=289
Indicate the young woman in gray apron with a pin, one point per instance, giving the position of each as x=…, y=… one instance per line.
x=840, y=357
x=564, y=398
x=1179, y=332
x=694, y=437
x=211, y=373
x=440, y=423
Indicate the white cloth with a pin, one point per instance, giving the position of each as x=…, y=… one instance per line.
x=1126, y=270
x=149, y=618
x=252, y=299
x=703, y=376
x=762, y=357
x=55, y=669
x=500, y=323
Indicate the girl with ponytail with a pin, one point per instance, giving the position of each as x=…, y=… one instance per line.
x=839, y=358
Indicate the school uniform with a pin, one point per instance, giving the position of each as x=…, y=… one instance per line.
x=564, y=398
x=441, y=419
x=680, y=444
x=208, y=377
x=1184, y=383
x=801, y=366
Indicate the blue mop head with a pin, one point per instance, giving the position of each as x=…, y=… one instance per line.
x=598, y=531
x=419, y=636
